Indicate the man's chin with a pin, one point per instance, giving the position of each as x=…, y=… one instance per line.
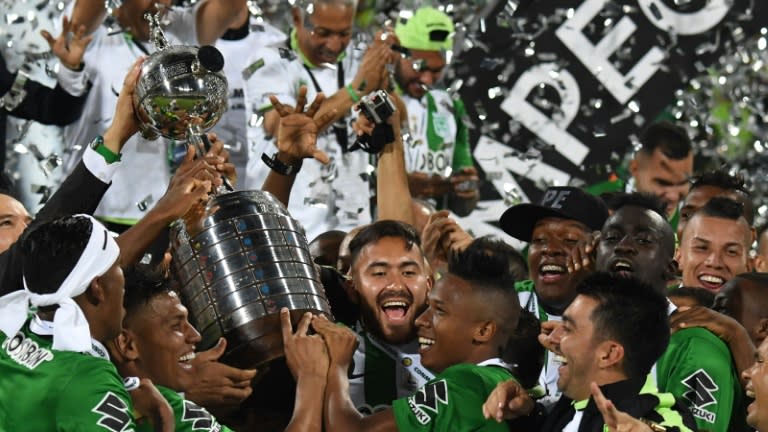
x=398, y=335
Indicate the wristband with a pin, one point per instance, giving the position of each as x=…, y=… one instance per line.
x=98, y=146
x=278, y=166
x=352, y=93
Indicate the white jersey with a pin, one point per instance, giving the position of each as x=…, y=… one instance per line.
x=145, y=173
x=324, y=197
x=231, y=128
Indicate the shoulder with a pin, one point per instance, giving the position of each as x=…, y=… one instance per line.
x=699, y=340
x=471, y=377
x=190, y=416
x=272, y=62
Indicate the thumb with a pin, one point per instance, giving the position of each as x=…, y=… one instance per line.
x=217, y=351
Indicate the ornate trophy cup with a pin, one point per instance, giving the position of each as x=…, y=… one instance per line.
x=244, y=258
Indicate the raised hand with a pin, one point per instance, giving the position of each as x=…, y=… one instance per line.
x=340, y=340
x=297, y=134
x=217, y=384
x=507, y=401
x=70, y=46
x=305, y=354
x=124, y=123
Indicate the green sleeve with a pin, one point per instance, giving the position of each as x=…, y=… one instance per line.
x=94, y=399
x=189, y=416
x=453, y=400
x=696, y=368
x=462, y=154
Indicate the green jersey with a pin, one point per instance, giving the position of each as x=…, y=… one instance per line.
x=697, y=369
x=189, y=416
x=43, y=389
x=440, y=138
x=381, y=372
x=452, y=401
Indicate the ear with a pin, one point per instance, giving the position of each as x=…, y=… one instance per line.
x=610, y=354
x=95, y=294
x=633, y=165
x=296, y=15
x=761, y=330
x=484, y=332
x=123, y=348
x=351, y=290
x=759, y=263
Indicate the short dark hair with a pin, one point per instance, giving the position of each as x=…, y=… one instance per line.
x=50, y=250
x=639, y=199
x=485, y=264
x=384, y=228
x=142, y=283
x=721, y=178
x=721, y=207
x=626, y=305
x=702, y=296
x=672, y=140
x=524, y=350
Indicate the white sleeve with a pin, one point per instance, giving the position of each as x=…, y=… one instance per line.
x=99, y=167
x=183, y=23
x=73, y=82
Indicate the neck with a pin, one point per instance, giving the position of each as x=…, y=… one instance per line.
x=602, y=378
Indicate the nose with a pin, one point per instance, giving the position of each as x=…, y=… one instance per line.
x=556, y=336
x=193, y=336
x=425, y=319
x=554, y=247
x=714, y=260
x=626, y=244
x=335, y=43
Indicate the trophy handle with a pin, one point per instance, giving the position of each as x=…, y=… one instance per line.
x=201, y=143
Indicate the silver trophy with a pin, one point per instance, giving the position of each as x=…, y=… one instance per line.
x=181, y=92
x=237, y=266
x=242, y=258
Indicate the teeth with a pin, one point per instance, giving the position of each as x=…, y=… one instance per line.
x=552, y=268
x=426, y=341
x=187, y=357
x=712, y=279
x=622, y=265
x=750, y=394
x=394, y=304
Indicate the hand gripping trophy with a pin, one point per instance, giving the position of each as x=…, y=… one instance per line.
x=244, y=258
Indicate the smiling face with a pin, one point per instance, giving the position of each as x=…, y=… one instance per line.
x=552, y=241
x=392, y=283
x=575, y=340
x=636, y=242
x=419, y=72
x=446, y=329
x=324, y=34
x=757, y=388
x=165, y=341
x=713, y=250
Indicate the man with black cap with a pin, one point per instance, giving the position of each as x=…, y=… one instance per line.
x=564, y=216
x=439, y=161
x=55, y=359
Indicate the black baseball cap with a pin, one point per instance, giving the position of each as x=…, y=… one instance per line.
x=564, y=202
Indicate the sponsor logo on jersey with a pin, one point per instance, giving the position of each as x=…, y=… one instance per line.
x=199, y=417
x=114, y=413
x=26, y=351
x=426, y=402
x=701, y=394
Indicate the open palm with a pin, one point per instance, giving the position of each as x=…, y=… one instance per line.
x=297, y=135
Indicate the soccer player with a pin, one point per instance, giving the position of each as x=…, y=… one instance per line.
x=158, y=343
x=565, y=216
x=472, y=313
x=56, y=371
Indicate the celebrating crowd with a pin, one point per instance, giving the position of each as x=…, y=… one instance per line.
x=638, y=304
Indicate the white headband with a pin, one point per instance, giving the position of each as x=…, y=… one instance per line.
x=70, y=328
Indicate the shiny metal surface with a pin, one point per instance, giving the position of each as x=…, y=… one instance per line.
x=237, y=266
x=176, y=95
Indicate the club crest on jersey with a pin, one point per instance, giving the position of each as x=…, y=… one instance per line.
x=701, y=394
x=26, y=351
x=427, y=400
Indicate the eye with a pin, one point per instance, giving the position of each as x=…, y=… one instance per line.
x=409, y=273
x=6, y=222
x=571, y=241
x=644, y=240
